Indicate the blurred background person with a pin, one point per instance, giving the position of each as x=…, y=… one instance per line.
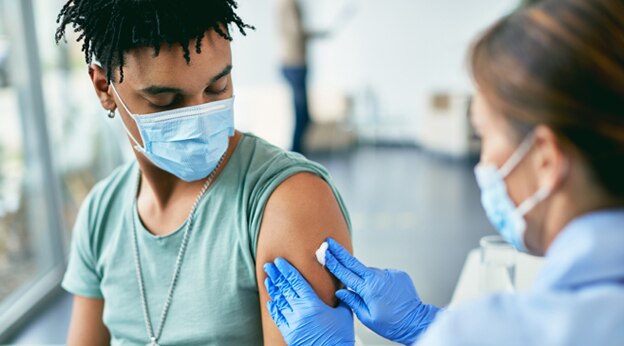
x=294, y=39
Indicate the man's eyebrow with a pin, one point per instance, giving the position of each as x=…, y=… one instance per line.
x=157, y=90
x=226, y=71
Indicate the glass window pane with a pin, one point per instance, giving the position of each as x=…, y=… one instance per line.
x=17, y=242
x=25, y=249
x=86, y=143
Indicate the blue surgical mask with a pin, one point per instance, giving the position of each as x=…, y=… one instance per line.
x=186, y=142
x=500, y=209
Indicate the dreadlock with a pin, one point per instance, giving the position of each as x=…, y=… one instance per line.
x=109, y=28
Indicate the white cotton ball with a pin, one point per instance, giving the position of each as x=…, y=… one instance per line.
x=320, y=253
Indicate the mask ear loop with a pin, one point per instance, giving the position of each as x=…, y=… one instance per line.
x=534, y=200
x=137, y=145
x=513, y=162
x=542, y=193
x=518, y=155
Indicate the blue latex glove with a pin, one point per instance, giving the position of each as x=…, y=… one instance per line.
x=301, y=316
x=385, y=301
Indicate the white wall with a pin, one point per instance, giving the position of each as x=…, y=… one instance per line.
x=402, y=49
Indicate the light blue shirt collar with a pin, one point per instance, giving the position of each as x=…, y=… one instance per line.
x=589, y=250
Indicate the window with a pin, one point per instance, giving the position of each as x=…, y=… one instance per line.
x=86, y=144
x=55, y=144
x=31, y=252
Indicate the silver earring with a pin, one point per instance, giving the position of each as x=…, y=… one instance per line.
x=111, y=114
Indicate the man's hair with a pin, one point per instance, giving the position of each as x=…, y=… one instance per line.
x=109, y=28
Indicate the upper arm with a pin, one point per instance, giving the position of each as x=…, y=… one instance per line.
x=300, y=214
x=87, y=326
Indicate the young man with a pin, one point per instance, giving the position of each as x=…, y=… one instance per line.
x=169, y=249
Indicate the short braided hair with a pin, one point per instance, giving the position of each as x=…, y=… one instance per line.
x=109, y=28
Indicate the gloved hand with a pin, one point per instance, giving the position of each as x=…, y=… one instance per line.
x=301, y=316
x=385, y=301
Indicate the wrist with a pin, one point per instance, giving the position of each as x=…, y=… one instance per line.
x=417, y=322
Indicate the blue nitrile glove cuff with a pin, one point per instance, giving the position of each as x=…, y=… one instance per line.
x=384, y=300
x=419, y=321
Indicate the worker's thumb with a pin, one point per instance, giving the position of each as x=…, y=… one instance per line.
x=354, y=302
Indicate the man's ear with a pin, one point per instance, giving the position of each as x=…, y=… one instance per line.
x=101, y=86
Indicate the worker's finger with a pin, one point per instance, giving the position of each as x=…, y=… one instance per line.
x=346, y=259
x=296, y=280
x=271, y=270
x=353, y=301
x=276, y=315
x=280, y=281
x=276, y=296
x=273, y=291
x=343, y=273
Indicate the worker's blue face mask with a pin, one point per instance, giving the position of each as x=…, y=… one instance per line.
x=500, y=209
x=186, y=142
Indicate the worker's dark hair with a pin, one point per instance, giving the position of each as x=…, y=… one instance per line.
x=109, y=28
x=560, y=64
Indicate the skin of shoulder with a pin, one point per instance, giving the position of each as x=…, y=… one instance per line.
x=300, y=214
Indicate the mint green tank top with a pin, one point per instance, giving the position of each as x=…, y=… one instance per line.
x=216, y=299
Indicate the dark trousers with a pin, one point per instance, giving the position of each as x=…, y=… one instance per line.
x=297, y=79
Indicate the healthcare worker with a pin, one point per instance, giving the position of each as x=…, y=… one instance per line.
x=550, y=111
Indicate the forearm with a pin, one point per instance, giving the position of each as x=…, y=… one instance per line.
x=86, y=326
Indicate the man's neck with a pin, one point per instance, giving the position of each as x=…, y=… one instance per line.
x=162, y=188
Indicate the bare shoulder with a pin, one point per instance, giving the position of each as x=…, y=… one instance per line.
x=305, y=195
x=304, y=211
x=301, y=213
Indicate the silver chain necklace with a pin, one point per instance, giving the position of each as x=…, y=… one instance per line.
x=154, y=337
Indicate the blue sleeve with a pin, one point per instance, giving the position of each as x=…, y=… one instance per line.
x=493, y=320
x=82, y=277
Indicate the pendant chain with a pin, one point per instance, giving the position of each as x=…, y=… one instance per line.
x=155, y=336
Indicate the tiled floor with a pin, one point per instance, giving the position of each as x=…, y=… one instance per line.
x=411, y=210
